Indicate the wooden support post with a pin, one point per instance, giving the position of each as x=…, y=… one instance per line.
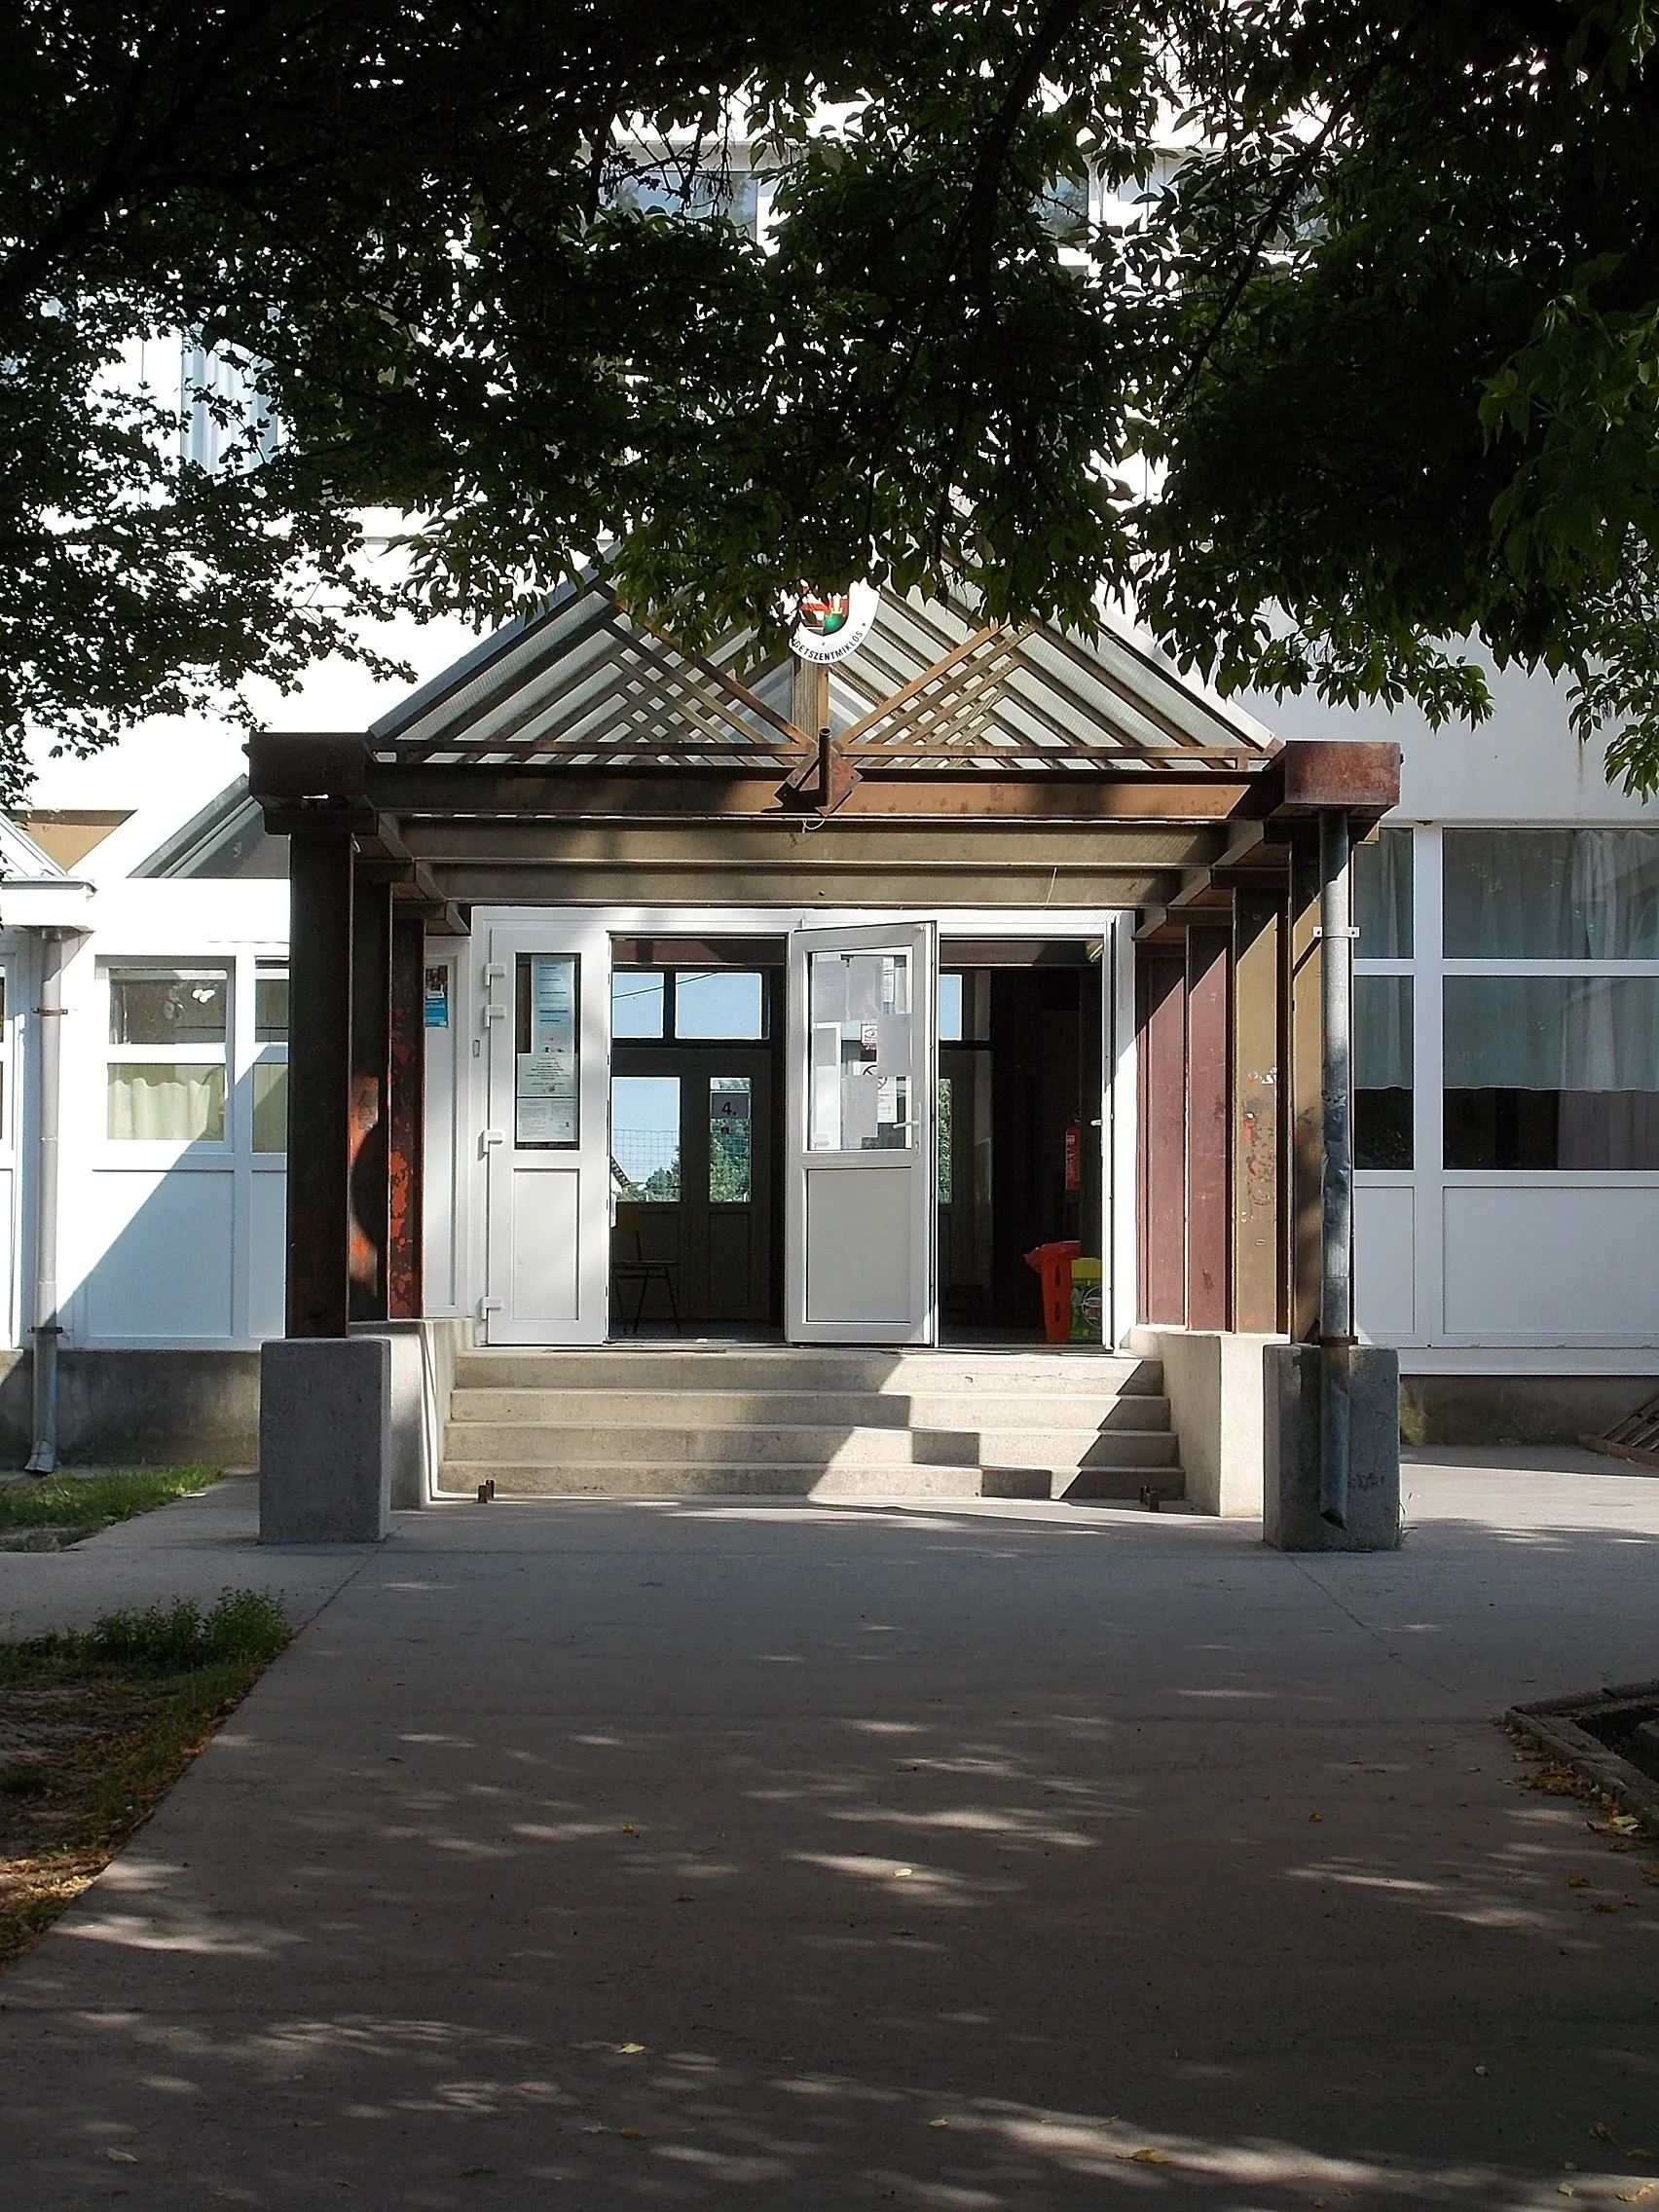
x=1161, y=1022
x=1260, y=1293
x=1208, y=1197
x=371, y=1060
x=320, y=1075
x=407, y=1121
x=1305, y=1067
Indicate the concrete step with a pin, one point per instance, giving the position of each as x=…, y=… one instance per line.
x=810, y=1368
x=681, y=1478
x=555, y=1444
x=609, y=1407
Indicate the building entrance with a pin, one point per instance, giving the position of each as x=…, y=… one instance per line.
x=696, y=1187
x=1020, y=1081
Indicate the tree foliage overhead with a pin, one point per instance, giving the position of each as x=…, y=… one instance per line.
x=1384, y=338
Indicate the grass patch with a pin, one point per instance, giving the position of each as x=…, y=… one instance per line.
x=95, y=1726
x=80, y=1505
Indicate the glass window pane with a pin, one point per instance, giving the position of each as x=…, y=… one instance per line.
x=730, y=1140
x=718, y=1003
x=167, y=1006
x=1552, y=1071
x=174, y=1103
x=636, y=1003
x=644, y=1138
x=1552, y=894
x=269, y=1105
x=859, y=1021
x=547, y=1092
x=1382, y=896
x=949, y=1010
x=1382, y=1071
x=270, y=1005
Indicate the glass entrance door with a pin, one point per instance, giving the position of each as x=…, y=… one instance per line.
x=862, y=1134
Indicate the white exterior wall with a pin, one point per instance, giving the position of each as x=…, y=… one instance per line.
x=1504, y=1271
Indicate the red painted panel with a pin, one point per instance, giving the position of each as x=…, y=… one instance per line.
x=1161, y=1058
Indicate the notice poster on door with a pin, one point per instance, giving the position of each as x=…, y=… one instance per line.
x=546, y=1090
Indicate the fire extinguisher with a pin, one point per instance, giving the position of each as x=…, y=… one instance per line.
x=1074, y=1157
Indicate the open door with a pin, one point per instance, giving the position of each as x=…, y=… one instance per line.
x=547, y=1018
x=862, y=1136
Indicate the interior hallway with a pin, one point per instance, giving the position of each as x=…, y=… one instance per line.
x=748, y=1854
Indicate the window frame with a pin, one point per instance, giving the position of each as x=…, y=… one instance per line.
x=145, y=1151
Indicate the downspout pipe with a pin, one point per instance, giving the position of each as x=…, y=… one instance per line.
x=1336, y=933
x=48, y=1104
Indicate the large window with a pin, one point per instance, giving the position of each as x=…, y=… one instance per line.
x=169, y=1033
x=271, y=1066
x=1382, y=1002
x=1552, y=999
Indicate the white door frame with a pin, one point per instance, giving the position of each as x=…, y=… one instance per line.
x=548, y=1243
x=887, y=1198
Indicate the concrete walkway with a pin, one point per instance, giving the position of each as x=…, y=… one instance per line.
x=991, y=1860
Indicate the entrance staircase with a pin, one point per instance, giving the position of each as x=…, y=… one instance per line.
x=735, y=1420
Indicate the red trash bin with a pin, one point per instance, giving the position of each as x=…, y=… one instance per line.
x=1053, y=1264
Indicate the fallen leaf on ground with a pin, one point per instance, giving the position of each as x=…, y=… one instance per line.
x=1147, y=2157
x=1601, y=2131
x=1634, y=2195
x=634, y=2134
x=1579, y=1882
x=474, y=2174
x=122, y=2158
x=938, y=2124
x=1315, y=1815
x=630, y=2049
x=898, y=1873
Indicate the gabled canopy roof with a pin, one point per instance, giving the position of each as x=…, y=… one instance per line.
x=585, y=685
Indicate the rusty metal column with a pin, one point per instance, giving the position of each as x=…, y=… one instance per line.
x=319, y=1073
x=371, y=1065
x=406, y=1125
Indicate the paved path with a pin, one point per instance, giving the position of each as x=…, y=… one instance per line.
x=995, y=1860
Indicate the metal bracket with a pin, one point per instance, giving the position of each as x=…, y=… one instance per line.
x=1334, y=933
x=487, y=1307
x=488, y=1137
x=494, y=972
x=493, y=1013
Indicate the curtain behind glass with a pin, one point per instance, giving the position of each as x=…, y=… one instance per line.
x=166, y=1104
x=1382, y=896
x=1552, y=894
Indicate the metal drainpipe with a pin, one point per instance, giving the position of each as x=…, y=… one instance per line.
x=48, y=1061
x=1336, y=1181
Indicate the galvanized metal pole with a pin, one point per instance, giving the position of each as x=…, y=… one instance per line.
x=48, y=1113
x=1336, y=1182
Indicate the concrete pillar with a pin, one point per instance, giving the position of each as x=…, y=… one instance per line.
x=1292, y=1450
x=325, y=1440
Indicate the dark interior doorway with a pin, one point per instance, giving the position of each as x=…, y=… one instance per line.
x=1020, y=1065
x=696, y=1240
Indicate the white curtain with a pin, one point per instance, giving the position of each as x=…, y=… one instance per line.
x=173, y=1104
x=1383, y=1032
x=1552, y=1033
x=1552, y=894
x=1382, y=896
